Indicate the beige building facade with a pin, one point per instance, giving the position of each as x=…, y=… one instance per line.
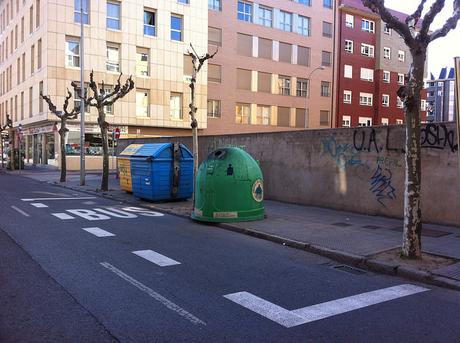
x=40, y=52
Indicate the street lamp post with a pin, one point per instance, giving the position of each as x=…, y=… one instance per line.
x=308, y=91
x=82, y=102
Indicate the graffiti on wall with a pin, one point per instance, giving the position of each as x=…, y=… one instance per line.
x=344, y=155
x=372, y=141
x=438, y=136
x=381, y=186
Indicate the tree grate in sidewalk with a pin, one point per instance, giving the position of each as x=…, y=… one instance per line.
x=372, y=227
x=341, y=224
x=427, y=232
x=348, y=269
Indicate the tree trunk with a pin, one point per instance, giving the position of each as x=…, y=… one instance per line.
x=194, y=134
x=105, y=150
x=412, y=210
x=62, y=132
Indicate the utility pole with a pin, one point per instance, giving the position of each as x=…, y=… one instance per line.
x=82, y=99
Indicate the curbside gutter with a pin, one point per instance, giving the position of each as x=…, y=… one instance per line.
x=369, y=263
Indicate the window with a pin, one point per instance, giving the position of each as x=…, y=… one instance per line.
x=327, y=3
x=22, y=30
x=324, y=118
x=265, y=48
x=399, y=121
x=263, y=115
x=368, y=25
x=39, y=54
x=326, y=58
x=16, y=37
x=142, y=62
x=18, y=68
x=215, y=36
x=285, y=21
x=214, y=73
x=301, y=118
x=385, y=100
x=24, y=67
x=244, y=45
x=303, y=25
x=40, y=101
x=367, y=50
x=175, y=106
x=22, y=105
x=265, y=16
x=401, y=55
x=349, y=20
x=387, y=53
x=400, y=79
x=113, y=58
x=327, y=29
x=364, y=121
x=349, y=46
x=113, y=15
x=176, y=27
x=386, y=29
x=264, y=82
x=348, y=71
x=304, y=2
x=31, y=19
x=244, y=11
x=347, y=97
x=303, y=56
x=283, y=116
x=365, y=99
x=285, y=52
x=243, y=79
x=423, y=105
x=76, y=95
x=149, y=23
x=215, y=5
x=346, y=121
x=81, y=6
x=399, y=102
x=385, y=121
x=242, y=113
x=32, y=59
x=214, y=108
x=386, y=76
x=284, y=83
x=182, y=1
x=302, y=88
x=31, y=94
x=142, y=103
x=325, y=88
x=109, y=108
x=72, y=53
x=367, y=74
x=37, y=13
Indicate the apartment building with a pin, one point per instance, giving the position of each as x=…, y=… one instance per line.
x=441, y=96
x=40, y=52
x=372, y=63
x=274, y=67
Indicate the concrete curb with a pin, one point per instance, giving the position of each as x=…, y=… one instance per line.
x=369, y=263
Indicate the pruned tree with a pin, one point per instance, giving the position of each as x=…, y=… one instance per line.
x=197, y=63
x=415, y=32
x=63, y=116
x=100, y=99
x=8, y=125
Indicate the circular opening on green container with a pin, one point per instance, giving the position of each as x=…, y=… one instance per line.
x=219, y=153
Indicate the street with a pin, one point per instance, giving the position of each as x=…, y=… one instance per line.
x=99, y=270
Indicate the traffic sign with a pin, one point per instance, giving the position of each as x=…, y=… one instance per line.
x=117, y=132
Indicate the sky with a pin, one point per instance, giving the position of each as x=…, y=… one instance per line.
x=442, y=51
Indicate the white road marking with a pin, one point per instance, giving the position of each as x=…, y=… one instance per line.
x=98, y=232
x=63, y=216
x=20, y=211
x=49, y=199
x=114, y=212
x=38, y=205
x=89, y=202
x=154, y=257
x=324, y=310
x=158, y=297
x=88, y=214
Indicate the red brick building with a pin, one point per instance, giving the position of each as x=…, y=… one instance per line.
x=372, y=62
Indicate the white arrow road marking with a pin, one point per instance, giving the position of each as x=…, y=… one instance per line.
x=20, y=211
x=49, y=199
x=312, y=313
x=158, y=297
x=63, y=216
x=38, y=205
x=154, y=257
x=98, y=232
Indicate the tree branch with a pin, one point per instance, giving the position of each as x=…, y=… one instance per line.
x=450, y=24
x=51, y=106
x=417, y=14
x=118, y=92
x=378, y=7
x=435, y=8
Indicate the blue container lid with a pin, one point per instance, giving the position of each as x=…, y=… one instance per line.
x=155, y=150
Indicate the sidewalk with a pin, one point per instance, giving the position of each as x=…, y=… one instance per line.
x=354, y=239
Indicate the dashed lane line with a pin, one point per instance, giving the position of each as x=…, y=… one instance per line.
x=63, y=216
x=158, y=297
x=20, y=211
x=38, y=205
x=154, y=257
x=51, y=199
x=98, y=232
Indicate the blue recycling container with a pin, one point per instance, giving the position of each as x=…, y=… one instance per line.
x=162, y=171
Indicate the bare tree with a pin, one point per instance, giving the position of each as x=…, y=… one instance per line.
x=417, y=39
x=8, y=125
x=198, y=62
x=100, y=99
x=63, y=116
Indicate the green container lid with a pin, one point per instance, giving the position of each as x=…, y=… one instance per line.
x=229, y=187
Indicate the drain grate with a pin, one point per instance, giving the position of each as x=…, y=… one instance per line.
x=341, y=224
x=372, y=227
x=427, y=232
x=348, y=269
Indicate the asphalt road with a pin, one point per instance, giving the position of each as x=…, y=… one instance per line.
x=76, y=268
